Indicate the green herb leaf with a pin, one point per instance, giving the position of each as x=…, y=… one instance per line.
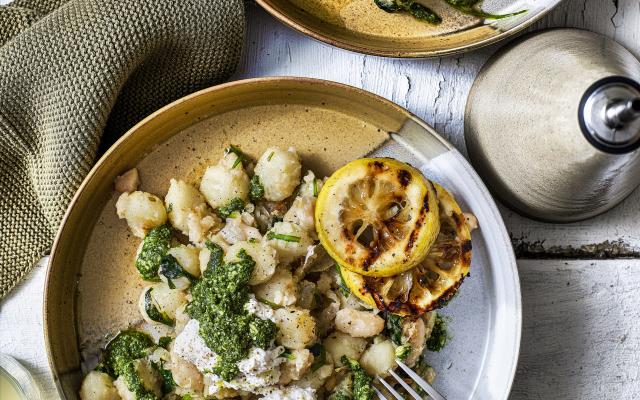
x=240, y=156
x=171, y=269
x=393, y=328
x=270, y=304
x=288, y=356
x=270, y=156
x=287, y=238
x=152, y=310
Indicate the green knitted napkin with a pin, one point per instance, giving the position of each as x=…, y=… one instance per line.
x=76, y=74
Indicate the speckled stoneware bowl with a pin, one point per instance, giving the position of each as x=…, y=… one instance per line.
x=359, y=25
x=92, y=288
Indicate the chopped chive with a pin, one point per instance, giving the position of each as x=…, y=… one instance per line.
x=270, y=156
x=240, y=156
x=315, y=187
x=270, y=304
x=288, y=356
x=286, y=238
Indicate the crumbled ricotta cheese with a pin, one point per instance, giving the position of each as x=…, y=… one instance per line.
x=190, y=346
x=260, y=360
x=259, y=370
x=288, y=393
x=261, y=310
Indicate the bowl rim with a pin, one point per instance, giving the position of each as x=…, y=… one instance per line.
x=272, y=9
x=221, y=87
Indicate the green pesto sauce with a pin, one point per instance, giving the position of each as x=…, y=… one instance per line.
x=256, y=189
x=154, y=246
x=393, y=328
x=135, y=384
x=234, y=205
x=362, y=382
x=438, y=338
x=119, y=356
x=128, y=346
x=218, y=305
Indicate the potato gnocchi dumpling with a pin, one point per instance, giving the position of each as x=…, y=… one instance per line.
x=279, y=173
x=280, y=290
x=143, y=211
x=340, y=344
x=188, y=211
x=98, y=386
x=225, y=182
x=242, y=299
x=296, y=328
x=290, y=240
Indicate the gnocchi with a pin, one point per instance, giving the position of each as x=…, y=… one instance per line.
x=340, y=344
x=98, y=386
x=188, y=211
x=142, y=211
x=296, y=327
x=279, y=172
x=225, y=182
x=290, y=240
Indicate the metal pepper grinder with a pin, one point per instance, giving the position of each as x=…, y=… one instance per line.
x=552, y=124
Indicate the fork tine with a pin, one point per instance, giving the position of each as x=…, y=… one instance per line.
x=421, y=382
x=405, y=385
x=390, y=388
x=379, y=393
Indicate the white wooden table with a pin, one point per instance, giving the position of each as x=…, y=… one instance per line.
x=580, y=282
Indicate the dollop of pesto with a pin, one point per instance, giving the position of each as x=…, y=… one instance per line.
x=234, y=205
x=393, y=328
x=362, y=388
x=218, y=305
x=438, y=338
x=256, y=189
x=154, y=246
x=120, y=356
x=126, y=347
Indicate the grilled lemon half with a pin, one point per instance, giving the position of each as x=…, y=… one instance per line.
x=433, y=281
x=377, y=216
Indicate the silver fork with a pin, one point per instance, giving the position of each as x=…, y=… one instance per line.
x=433, y=394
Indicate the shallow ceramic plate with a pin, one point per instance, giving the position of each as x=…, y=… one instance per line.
x=92, y=288
x=361, y=26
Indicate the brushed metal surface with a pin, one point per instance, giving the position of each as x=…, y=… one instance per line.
x=522, y=127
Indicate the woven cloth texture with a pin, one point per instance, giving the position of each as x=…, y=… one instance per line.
x=74, y=76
